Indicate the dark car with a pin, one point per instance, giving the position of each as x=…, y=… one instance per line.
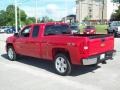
x=74, y=29
x=114, y=28
x=89, y=30
x=10, y=29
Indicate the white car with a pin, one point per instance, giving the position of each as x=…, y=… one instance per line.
x=114, y=28
x=74, y=29
x=2, y=30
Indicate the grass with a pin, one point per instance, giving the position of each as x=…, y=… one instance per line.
x=99, y=29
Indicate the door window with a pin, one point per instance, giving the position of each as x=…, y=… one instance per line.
x=35, y=31
x=25, y=32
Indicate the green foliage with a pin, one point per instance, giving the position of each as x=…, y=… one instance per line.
x=115, y=1
x=46, y=19
x=3, y=19
x=7, y=17
x=87, y=18
x=23, y=15
x=116, y=16
x=32, y=19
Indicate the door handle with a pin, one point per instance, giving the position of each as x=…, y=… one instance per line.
x=44, y=42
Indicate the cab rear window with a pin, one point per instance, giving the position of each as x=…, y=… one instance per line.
x=57, y=29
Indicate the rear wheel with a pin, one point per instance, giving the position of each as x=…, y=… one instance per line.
x=62, y=64
x=115, y=34
x=11, y=53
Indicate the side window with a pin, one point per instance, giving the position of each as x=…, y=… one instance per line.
x=49, y=30
x=35, y=31
x=57, y=29
x=26, y=32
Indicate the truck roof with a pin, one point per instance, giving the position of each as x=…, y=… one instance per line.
x=51, y=23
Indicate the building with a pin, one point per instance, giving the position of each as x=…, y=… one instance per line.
x=94, y=10
x=69, y=19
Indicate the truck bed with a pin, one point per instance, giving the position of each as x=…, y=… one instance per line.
x=93, y=36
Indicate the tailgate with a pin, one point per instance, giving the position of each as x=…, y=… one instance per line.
x=100, y=45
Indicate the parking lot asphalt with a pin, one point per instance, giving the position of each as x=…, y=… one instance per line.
x=34, y=74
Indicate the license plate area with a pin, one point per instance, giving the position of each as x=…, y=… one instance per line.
x=102, y=56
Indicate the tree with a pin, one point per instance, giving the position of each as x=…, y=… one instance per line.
x=7, y=17
x=116, y=1
x=3, y=19
x=10, y=14
x=46, y=19
x=116, y=16
x=30, y=20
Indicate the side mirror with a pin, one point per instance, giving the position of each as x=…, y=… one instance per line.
x=16, y=34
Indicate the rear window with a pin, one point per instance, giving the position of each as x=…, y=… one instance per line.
x=90, y=27
x=57, y=29
x=74, y=27
x=116, y=23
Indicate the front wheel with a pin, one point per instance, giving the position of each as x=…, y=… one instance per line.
x=11, y=53
x=62, y=64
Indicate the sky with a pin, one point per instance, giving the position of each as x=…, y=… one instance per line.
x=55, y=9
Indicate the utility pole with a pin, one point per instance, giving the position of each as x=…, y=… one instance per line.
x=103, y=3
x=36, y=11
x=19, y=17
x=16, y=23
x=66, y=11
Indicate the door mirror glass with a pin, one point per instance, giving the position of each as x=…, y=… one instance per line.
x=16, y=34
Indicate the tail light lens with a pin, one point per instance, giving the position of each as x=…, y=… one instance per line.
x=85, y=47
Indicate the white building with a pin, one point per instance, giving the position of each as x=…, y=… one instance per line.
x=91, y=9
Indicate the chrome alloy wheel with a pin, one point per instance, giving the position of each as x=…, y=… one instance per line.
x=61, y=65
x=10, y=53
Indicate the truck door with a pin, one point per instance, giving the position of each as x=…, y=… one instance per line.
x=21, y=43
x=34, y=42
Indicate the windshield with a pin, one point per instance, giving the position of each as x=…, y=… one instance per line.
x=57, y=29
x=116, y=23
x=74, y=27
x=90, y=27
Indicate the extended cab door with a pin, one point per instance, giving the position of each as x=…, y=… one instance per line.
x=34, y=45
x=21, y=43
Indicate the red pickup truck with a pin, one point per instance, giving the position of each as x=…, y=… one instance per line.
x=53, y=41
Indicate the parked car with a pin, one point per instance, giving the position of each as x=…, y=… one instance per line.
x=2, y=29
x=54, y=42
x=89, y=30
x=114, y=28
x=74, y=29
x=10, y=29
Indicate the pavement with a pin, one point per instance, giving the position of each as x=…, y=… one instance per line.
x=34, y=74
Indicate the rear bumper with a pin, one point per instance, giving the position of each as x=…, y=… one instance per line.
x=99, y=58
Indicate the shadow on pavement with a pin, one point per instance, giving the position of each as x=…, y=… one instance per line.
x=47, y=65
x=79, y=70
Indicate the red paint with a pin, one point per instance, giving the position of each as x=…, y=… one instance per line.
x=46, y=47
x=89, y=30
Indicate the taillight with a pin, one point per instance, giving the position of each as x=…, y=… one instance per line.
x=85, y=47
x=92, y=30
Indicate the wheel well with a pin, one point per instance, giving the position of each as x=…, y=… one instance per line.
x=9, y=44
x=56, y=51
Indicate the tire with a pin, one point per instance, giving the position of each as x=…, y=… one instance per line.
x=108, y=32
x=62, y=65
x=115, y=34
x=94, y=65
x=11, y=53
